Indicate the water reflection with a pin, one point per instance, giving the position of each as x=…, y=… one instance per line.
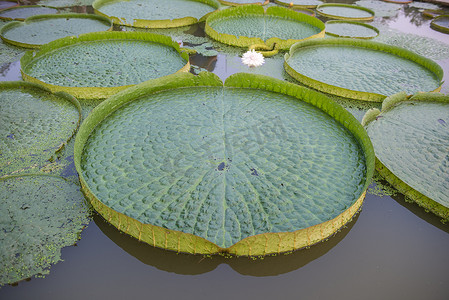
x=187, y=264
x=10, y=71
x=421, y=213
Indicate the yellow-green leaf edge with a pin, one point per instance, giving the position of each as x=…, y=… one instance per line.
x=435, y=26
x=37, y=18
x=355, y=23
x=21, y=7
x=248, y=10
x=417, y=197
x=142, y=23
x=230, y=3
x=352, y=94
x=257, y=245
x=346, y=18
x=294, y=5
x=94, y=92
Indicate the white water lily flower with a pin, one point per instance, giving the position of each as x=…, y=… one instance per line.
x=252, y=58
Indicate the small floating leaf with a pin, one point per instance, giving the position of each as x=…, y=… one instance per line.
x=34, y=124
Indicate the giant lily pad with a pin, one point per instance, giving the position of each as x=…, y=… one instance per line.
x=441, y=23
x=433, y=13
x=411, y=141
x=20, y=13
x=7, y=4
x=361, y=69
x=34, y=123
x=243, y=2
x=381, y=8
x=300, y=3
x=40, y=215
x=99, y=64
x=351, y=29
x=275, y=28
x=399, y=1
x=66, y=3
x=254, y=167
x=422, y=45
x=155, y=13
x=345, y=12
x=42, y=29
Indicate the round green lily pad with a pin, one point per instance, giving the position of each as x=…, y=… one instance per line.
x=361, y=69
x=411, y=141
x=42, y=29
x=155, y=13
x=65, y=3
x=20, y=13
x=351, y=29
x=300, y=3
x=381, y=8
x=432, y=13
x=399, y=1
x=276, y=28
x=243, y=2
x=254, y=167
x=7, y=4
x=34, y=124
x=41, y=214
x=441, y=23
x=99, y=64
x=345, y=12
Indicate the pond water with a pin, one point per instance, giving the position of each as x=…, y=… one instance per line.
x=391, y=250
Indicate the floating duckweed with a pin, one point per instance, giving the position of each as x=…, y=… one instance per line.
x=41, y=215
x=34, y=124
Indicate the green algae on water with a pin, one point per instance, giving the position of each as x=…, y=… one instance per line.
x=39, y=216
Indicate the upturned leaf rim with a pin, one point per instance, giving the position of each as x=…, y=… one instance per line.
x=257, y=10
x=94, y=92
x=370, y=11
x=38, y=18
x=360, y=43
x=143, y=23
x=257, y=245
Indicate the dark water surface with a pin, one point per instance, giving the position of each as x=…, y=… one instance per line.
x=391, y=250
